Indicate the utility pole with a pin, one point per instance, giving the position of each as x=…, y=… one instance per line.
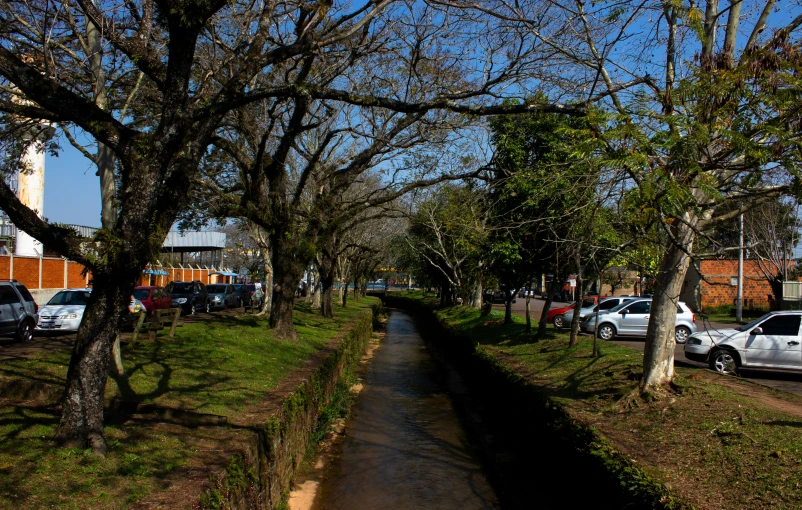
x=739, y=300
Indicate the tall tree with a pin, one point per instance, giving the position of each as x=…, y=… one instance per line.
x=195, y=61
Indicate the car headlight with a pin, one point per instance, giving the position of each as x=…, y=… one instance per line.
x=694, y=341
x=70, y=316
x=182, y=300
x=218, y=298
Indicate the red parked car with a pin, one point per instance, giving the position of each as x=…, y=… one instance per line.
x=556, y=315
x=153, y=298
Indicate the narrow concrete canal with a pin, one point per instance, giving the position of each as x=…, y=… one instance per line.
x=405, y=447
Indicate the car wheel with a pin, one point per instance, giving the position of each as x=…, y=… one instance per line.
x=681, y=334
x=225, y=305
x=606, y=332
x=25, y=332
x=558, y=321
x=724, y=362
x=208, y=307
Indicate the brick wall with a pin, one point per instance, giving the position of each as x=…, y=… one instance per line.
x=716, y=289
x=27, y=271
x=75, y=278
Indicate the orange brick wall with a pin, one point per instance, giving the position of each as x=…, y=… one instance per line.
x=716, y=290
x=26, y=271
x=52, y=273
x=74, y=276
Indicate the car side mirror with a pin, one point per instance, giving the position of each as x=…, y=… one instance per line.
x=757, y=331
x=622, y=312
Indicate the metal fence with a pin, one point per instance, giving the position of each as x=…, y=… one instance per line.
x=9, y=230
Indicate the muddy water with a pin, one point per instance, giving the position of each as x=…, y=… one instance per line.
x=404, y=446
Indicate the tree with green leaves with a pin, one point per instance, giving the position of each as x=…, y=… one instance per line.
x=446, y=238
x=193, y=63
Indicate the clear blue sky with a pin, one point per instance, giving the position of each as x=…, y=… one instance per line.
x=72, y=190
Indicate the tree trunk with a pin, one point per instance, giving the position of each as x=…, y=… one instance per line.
x=286, y=274
x=316, y=302
x=356, y=290
x=528, y=312
x=508, y=306
x=658, y=356
x=476, y=297
x=344, y=295
x=326, y=271
x=81, y=422
x=268, y=292
x=327, y=301
x=105, y=156
x=541, y=325
x=582, y=286
x=308, y=296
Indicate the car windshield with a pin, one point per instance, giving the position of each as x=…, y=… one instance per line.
x=70, y=297
x=622, y=305
x=216, y=289
x=752, y=324
x=182, y=288
x=141, y=294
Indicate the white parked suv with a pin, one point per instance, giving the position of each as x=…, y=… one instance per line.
x=631, y=318
x=772, y=341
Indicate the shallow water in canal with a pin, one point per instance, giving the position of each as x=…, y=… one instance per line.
x=404, y=446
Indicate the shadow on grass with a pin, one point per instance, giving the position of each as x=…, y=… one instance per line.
x=784, y=423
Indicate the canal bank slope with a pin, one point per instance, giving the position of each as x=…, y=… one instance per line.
x=559, y=414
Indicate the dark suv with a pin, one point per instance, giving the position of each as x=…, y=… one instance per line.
x=189, y=296
x=17, y=311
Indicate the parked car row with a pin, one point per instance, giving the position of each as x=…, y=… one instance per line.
x=20, y=316
x=631, y=318
x=589, y=306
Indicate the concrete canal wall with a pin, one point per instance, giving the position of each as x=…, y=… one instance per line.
x=259, y=476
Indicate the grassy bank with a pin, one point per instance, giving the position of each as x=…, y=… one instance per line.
x=715, y=442
x=217, y=369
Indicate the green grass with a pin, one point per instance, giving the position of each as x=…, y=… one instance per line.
x=219, y=367
x=726, y=314
x=718, y=442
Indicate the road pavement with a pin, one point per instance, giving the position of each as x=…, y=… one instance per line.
x=779, y=379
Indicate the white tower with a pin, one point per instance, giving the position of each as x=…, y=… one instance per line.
x=31, y=192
